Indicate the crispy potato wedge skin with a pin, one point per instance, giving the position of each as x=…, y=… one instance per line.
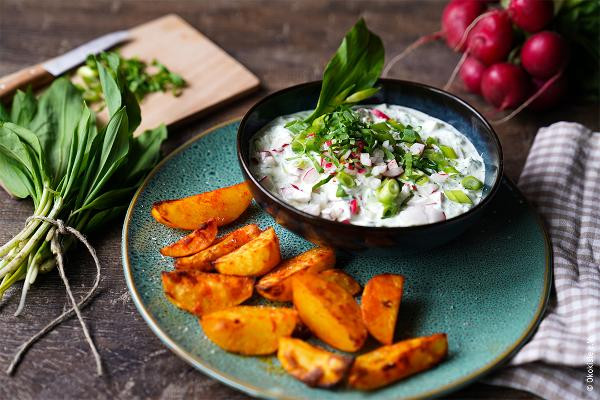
x=329, y=311
x=380, y=304
x=277, y=284
x=203, y=260
x=201, y=293
x=196, y=241
x=255, y=258
x=343, y=279
x=249, y=330
x=225, y=205
x=391, y=363
x=310, y=364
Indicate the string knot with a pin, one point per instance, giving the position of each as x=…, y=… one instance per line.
x=60, y=227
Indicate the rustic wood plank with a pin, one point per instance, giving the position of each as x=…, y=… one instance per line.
x=284, y=43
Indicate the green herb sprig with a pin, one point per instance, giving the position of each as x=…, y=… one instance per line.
x=352, y=71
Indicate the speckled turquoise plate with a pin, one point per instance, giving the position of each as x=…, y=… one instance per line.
x=487, y=290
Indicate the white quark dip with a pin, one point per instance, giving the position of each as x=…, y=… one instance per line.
x=428, y=198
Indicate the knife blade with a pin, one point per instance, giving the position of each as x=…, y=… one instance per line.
x=43, y=73
x=72, y=58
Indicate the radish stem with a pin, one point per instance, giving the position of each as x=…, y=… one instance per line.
x=465, y=34
x=456, y=69
x=417, y=43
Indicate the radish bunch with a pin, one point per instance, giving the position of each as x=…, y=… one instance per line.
x=510, y=58
x=516, y=54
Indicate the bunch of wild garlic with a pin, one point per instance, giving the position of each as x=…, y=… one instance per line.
x=53, y=150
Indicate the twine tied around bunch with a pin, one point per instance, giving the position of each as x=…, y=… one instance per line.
x=61, y=229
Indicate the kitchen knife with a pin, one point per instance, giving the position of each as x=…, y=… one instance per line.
x=45, y=72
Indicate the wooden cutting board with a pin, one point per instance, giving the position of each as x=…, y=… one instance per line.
x=212, y=75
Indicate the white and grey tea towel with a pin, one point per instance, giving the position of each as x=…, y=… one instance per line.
x=562, y=179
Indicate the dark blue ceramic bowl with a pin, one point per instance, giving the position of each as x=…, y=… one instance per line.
x=430, y=100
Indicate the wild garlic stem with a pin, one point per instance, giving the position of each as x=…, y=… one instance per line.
x=34, y=273
x=42, y=209
x=12, y=278
x=10, y=255
x=46, y=266
x=41, y=231
x=26, y=284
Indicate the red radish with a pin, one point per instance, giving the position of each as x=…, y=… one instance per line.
x=310, y=176
x=457, y=16
x=354, y=206
x=531, y=15
x=471, y=72
x=393, y=169
x=490, y=40
x=539, y=93
x=544, y=54
x=550, y=97
x=504, y=85
x=379, y=114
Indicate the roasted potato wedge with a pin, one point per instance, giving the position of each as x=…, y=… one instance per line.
x=196, y=241
x=255, y=258
x=391, y=363
x=249, y=330
x=201, y=293
x=310, y=364
x=277, y=284
x=341, y=278
x=225, y=205
x=203, y=260
x=329, y=311
x=380, y=304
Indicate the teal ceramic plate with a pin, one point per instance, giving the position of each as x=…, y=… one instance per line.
x=487, y=290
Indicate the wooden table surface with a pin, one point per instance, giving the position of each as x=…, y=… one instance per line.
x=284, y=43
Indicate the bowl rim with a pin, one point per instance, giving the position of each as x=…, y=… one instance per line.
x=374, y=229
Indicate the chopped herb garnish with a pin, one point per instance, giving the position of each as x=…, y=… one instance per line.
x=410, y=135
x=321, y=182
x=408, y=163
x=134, y=74
x=390, y=210
x=388, y=192
x=297, y=126
x=315, y=163
x=448, y=152
x=432, y=141
x=422, y=180
x=449, y=169
x=396, y=125
x=345, y=180
x=458, y=196
x=471, y=183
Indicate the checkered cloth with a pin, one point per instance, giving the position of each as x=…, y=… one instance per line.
x=562, y=178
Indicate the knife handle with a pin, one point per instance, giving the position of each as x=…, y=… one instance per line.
x=35, y=76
